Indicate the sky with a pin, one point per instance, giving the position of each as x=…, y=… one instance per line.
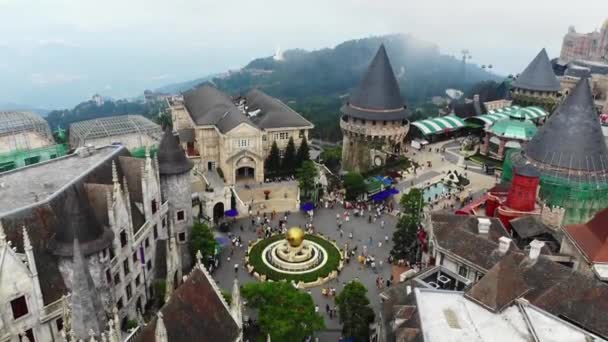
x=57, y=53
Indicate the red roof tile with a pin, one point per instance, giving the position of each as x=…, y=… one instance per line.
x=592, y=237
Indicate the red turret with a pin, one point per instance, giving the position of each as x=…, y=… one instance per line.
x=522, y=195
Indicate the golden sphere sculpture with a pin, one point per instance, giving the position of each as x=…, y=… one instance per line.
x=295, y=236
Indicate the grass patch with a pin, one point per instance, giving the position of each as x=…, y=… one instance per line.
x=333, y=260
x=481, y=159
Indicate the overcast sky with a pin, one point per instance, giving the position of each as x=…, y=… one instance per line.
x=55, y=53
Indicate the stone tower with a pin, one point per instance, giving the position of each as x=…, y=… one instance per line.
x=537, y=84
x=374, y=120
x=176, y=188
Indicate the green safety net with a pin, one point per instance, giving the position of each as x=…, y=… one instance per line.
x=581, y=197
x=19, y=158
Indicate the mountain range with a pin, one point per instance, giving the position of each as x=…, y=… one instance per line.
x=316, y=83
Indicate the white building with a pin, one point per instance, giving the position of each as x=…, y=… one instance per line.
x=109, y=201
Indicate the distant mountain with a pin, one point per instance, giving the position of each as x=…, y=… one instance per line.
x=175, y=88
x=23, y=107
x=316, y=83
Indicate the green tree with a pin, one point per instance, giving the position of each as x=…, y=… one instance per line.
x=164, y=119
x=405, y=235
x=283, y=312
x=303, y=153
x=306, y=175
x=289, y=158
x=354, y=184
x=273, y=162
x=332, y=157
x=355, y=313
x=202, y=239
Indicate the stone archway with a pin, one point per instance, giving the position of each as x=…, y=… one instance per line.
x=218, y=211
x=244, y=170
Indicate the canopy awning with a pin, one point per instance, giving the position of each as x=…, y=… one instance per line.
x=439, y=125
x=529, y=113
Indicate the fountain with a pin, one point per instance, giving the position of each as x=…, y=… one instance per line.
x=294, y=254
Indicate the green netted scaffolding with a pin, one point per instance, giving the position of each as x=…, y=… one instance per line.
x=19, y=158
x=140, y=152
x=581, y=195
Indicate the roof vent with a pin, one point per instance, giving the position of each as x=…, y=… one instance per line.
x=483, y=225
x=83, y=152
x=503, y=244
x=535, y=247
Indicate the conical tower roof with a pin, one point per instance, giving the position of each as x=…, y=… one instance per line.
x=572, y=138
x=538, y=75
x=76, y=218
x=172, y=159
x=87, y=310
x=378, y=96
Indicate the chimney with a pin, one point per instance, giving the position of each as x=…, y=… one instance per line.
x=483, y=225
x=535, y=247
x=503, y=245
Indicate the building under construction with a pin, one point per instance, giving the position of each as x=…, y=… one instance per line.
x=571, y=154
x=25, y=138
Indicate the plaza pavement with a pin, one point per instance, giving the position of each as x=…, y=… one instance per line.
x=325, y=222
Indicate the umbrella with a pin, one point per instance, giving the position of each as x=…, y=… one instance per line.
x=231, y=213
x=393, y=191
x=308, y=206
x=381, y=196
x=222, y=241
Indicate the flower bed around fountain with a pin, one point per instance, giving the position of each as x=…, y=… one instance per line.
x=258, y=263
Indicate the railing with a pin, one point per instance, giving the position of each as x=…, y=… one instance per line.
x=132, y=335
x=54, y=309
x=141, y=232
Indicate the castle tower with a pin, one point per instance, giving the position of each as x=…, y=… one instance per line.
x=176, y=188
x=374, y=120
x=571, y=155
x=537, y=84
x=524, y=188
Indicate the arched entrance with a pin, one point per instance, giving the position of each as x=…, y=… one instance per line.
x=218, y=211
x=244, y=170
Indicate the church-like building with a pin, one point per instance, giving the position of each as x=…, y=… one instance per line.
x=234, y=135
x=374, y=121
x=97, y=229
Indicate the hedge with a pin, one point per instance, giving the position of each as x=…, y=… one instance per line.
x=333, y=260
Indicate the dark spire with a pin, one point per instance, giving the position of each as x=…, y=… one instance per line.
x=75, y=217
x=87, y=313
x=572, y=137
x=378, y=95
x=538, y=75
x=171, y=157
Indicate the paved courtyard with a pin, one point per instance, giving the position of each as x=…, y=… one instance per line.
x=325, y=222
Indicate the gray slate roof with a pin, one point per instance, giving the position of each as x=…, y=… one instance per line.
x=209, y=106
x=378, y=96
x=538, y=75
x=572, y=137
x=172, y=159
x=273, y=113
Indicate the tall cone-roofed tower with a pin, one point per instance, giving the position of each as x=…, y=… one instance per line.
x=537, y=85
x=176, y=188
x=374, y=120
x=571, y=154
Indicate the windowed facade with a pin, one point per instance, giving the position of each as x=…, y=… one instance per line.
x=180, y=215
x=129, y=291
x=123, y=238
x=154, y=205
x=242, y=143
x=463, y=271
x=19, y=307
x=125, y=267
x=181, y=237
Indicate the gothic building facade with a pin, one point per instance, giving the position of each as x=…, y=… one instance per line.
x=94, y=226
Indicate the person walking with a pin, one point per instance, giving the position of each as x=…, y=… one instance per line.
x=382, y=224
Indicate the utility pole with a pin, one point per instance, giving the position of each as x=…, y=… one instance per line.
x=466, y=55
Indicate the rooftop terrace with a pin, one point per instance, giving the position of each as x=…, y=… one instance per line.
x=26, y=186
